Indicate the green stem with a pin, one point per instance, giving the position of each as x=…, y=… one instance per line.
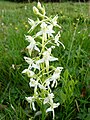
x=43, y=41
x=43, y=77
x=43, y=49
x=43, y=112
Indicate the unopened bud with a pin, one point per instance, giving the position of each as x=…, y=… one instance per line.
x=35, y=10
x=43, y=11
x=41, y=8
x=39, y=5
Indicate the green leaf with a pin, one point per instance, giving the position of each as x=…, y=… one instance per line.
x=66, y=74
x=62, y=96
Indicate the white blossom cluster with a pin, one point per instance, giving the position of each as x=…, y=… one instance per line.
x=43, y=76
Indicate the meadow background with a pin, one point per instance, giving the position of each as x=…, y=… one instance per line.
x=73, y=92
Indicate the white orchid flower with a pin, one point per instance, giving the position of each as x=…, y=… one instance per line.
x=34, y=83
x=54, y=21
x=57, y=72
x=52, y=107
x=49, y=99
x=28, y=72
x=31, y=100
x=28, y=60
x=46, y=29
x=50, y=30
x=33, y=24
x=32, y=44
x=46, y=58
x=57, y=40
x=31, y=63
x=54, y=77
x=29, y=38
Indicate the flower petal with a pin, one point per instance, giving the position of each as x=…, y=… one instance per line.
x=28, y=72
x=36, y=66
x=49, y=109
x=52, y=58
x=36, y=48
x=40, y=61
x=28, y=60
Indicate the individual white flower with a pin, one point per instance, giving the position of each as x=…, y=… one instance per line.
x=57, y=40
x=28, y=60
x=46, y=29
x=57, y=72
x=49, y=99
x=33, y=24
x=31, y=100
x=31, y=63
x=28, y=72
x=46, y=58
x=13, y=66
x=50, y=30
x=34, y=83
x=36, y=66
x=54, y=77
x=52, y=107
x=32, y=44
x=54, y=21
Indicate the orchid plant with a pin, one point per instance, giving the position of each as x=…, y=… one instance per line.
x=43, y=76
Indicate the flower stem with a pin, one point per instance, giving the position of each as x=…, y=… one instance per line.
x=43, y=112
x=43, y=49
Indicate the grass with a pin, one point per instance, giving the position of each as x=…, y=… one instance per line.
x=75, y=22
